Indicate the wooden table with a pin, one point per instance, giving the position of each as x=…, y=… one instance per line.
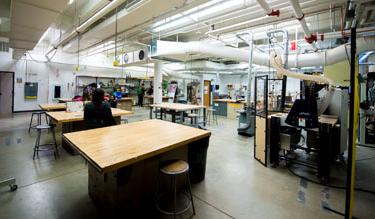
x=124, y=159
x=177, y=108
x=150, y=99
x=125, y=103
x=53, y=106
x=73, y=121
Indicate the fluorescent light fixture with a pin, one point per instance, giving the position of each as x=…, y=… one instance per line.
x=70, y=2
x=193, y=14
x=43, y=36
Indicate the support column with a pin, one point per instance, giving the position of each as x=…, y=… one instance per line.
x=158, y=79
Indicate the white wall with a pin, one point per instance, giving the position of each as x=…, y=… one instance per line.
x=49, y=74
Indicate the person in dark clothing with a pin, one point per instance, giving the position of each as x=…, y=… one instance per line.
x=141, y=94
x=98, y=113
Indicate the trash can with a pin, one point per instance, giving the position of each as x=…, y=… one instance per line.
x=197, y=158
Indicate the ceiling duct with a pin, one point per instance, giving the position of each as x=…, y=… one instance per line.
x=184, y=51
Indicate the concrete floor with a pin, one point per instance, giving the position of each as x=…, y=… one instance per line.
x=236, y=185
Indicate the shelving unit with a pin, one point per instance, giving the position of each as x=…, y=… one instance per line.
x=129, y=83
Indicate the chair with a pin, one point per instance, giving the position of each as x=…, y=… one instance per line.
x=174, y=169
x=39, y=119
x=211, y=114
x=37, y=146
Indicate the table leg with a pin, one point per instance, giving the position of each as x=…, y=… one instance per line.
x=161, y=113
x=151, y=112
x=204, y=116
x=182, y=116
x=173, y=116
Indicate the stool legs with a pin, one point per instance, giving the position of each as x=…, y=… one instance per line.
x=173, y=185
x=37, y=144
x=53, y=144
x=174, y=196
x=31, y=122
x=56, y=152
x=191, y=194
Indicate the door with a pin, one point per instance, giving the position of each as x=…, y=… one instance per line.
x=6, y=92
x=207, y=93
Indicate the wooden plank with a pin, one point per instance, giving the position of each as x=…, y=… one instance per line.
x=114, y=147
x=260, y=139
x=177, y=106
x=328, y=119
x=53, y=106
x=63, y=116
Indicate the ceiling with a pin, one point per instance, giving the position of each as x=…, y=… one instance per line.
x=214, y=21
x=29, y=19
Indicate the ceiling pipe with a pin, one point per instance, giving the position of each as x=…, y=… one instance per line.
x=285, y=41
x=112, y=4
x=269, y=11
x=276, y=63
x=300, y=16
x=174, y=49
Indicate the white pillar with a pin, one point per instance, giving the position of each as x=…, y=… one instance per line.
x=158, y=79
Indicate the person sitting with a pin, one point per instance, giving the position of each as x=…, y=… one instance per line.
x=98, y=113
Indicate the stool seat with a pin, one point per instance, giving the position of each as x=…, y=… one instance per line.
x=38, y=112
x=175, y=167
x=42, y=127
x=211, y=109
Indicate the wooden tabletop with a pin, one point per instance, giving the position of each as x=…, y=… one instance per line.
x=53, y=106
x=177, y=106
x=328, y=119
x=229, y=100
x=126, y=98
x=63, y=116
x=113, y=147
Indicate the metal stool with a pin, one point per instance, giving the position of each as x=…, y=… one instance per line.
x=194, y=118
x=125, y=120
x=173, y=169
x=37, y=146
x=211, y=114
x=39, y=119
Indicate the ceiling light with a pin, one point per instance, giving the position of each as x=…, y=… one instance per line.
x=70, y=2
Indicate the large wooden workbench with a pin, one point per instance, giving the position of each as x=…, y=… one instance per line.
x=53, y=106
x=124, y=159
x=73, y=121
x=176, y=108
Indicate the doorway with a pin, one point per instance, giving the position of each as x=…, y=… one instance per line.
x=6, y=92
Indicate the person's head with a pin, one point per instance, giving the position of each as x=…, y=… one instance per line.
x=98, y=96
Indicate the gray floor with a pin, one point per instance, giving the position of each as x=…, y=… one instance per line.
x=236, y=185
